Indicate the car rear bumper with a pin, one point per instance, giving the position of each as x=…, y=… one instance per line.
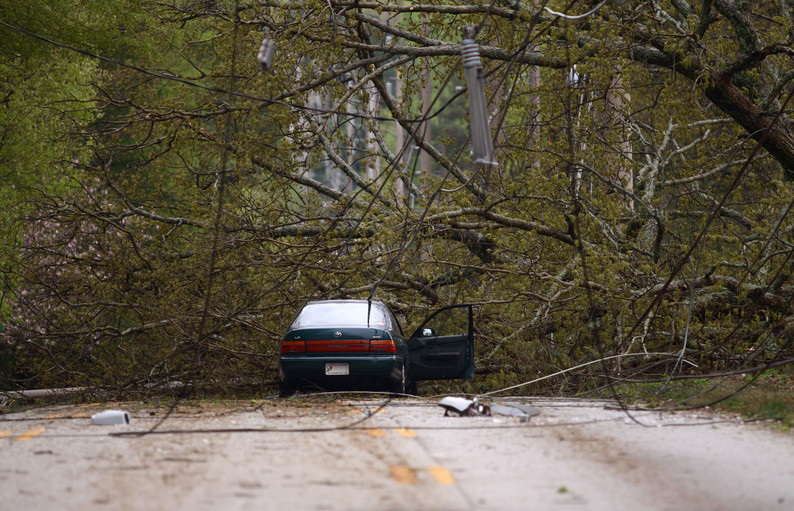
x=381, y=366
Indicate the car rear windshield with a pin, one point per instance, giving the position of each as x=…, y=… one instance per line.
x=341, y=314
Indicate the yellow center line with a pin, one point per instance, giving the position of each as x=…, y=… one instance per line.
x=53, y=416
x=406, y=432
x=441, y=475
x=6, y=433
x=403, y=474
x=27, y=435
x=376, y=433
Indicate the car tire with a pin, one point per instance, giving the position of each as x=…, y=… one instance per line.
x=399, y=387
x=412, y=388
x=286, y=388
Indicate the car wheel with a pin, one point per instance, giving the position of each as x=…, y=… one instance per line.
x=400, y=385
x=286, y=388
x=412, y=388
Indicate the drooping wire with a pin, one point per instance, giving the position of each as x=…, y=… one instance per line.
x=220, y=90
x=576, y=17
x=220, y=198
x=733, y=186
x=688, y=257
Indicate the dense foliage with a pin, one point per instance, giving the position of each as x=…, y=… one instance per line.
x=168, y=208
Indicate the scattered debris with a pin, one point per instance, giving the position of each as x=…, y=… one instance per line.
x=3, y=400
x=462, y=406
x=40, y=393
x=523, y=411
x=472, y=407
x=111, y=417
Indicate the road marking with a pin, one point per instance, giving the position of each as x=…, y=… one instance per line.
x=406, y=432
x=27, y=435
x=403, y=474
x=53, y=416
x=376, y=433
x=441, y=475
x=6, y=433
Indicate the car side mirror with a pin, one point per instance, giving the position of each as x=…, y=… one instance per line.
x=428, y=332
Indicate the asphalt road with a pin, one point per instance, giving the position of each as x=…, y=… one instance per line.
x=321, y=453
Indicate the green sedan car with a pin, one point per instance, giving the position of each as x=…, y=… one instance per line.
x=335, y=344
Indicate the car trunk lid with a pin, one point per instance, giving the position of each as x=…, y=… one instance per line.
x=340, y=341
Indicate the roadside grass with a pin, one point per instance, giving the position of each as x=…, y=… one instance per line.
x=768, y=396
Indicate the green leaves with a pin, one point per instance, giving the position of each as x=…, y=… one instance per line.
x=201, y=217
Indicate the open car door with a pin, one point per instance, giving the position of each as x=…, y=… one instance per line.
x=442, y=348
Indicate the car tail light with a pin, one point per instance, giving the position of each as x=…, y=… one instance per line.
x=382, y=346
x=293, y=347
x=356, y=346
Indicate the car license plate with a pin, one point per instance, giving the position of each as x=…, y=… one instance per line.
x=337, y=369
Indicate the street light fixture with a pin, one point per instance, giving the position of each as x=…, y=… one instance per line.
x=482, y=145
x=266, y=52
